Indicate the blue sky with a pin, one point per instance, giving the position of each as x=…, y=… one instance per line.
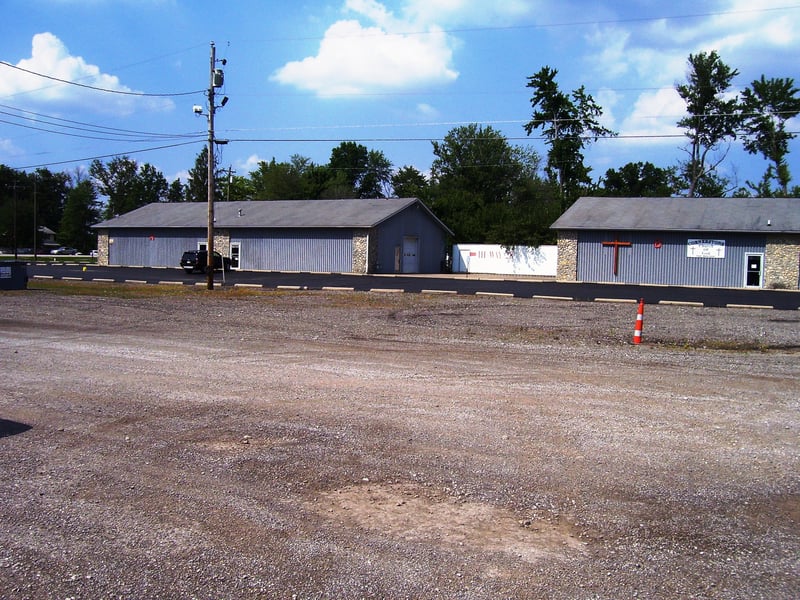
x=303, y=76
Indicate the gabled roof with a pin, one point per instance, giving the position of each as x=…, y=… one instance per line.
x=301, y=214
x=744, y=215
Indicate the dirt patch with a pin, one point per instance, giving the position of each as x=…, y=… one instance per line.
x=345, y=445
x=417, y=514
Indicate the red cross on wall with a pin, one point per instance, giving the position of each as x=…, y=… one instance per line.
x=616, y=244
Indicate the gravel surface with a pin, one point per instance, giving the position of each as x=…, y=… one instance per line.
x=346, y=445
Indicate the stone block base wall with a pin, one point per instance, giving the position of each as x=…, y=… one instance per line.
x=102, y=248
x=567, y=269
x=222, y=241
x=360, y=252
x=782, y=262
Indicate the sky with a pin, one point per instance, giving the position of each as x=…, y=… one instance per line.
x=393, y=75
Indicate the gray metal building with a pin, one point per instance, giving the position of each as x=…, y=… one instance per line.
x=717, y=242
x=386, y=235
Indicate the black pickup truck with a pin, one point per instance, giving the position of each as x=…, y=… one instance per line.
x=197, y=261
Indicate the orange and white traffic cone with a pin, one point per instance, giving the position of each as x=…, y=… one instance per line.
x=637, y=332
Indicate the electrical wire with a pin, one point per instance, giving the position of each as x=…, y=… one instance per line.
x=121, y=134
x=94, y=137
x=372, y=33
x=99, y=89
x=99, y=156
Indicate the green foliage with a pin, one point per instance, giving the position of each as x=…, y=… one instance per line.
x=27, y=199
x=127, y=185
x=408, y=182
x=277, y=181
x=713, y=117
x=357, y=172
x=176, y=192
x=637, y=180
x=568, y=123
x=766, y=107
x=488, y=191
x=196, y=189
x=80, y=213
x=238, y=187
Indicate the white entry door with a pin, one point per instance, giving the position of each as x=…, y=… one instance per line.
x=754, y=271
x=410, y=257
x=236, y=252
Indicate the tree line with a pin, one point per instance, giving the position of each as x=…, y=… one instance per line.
x=484, y=188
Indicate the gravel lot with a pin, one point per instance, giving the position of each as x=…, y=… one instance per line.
x=346, y=445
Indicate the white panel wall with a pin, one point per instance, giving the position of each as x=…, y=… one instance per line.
x=495, y=259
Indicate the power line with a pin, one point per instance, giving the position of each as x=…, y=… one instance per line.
x=125, y=138
x=121, y=134
x=539, y=26
x=99, y=156
x=99, y=89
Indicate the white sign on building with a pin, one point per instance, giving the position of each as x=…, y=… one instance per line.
x=705, y=249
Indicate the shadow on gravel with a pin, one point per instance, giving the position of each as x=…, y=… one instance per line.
x=8, y=428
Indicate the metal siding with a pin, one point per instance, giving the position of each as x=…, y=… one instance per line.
x=134, y=247
x=412, y=222
x=295, y=249
x=642, y=262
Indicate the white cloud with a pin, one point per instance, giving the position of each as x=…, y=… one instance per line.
x=426, y=110
x=250, y=164
x=655, y=114
x=611, y=57
x=375, y=52
x=50, y=57
x=7, y=148
x=360, y=60
x=182, y=176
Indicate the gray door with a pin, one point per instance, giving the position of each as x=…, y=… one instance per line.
x=410, y=254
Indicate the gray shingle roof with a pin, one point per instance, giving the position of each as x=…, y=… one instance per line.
x=772, y=215
x=351, y=213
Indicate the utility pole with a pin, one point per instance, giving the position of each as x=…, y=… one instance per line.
x=211, y=108
x=216, y=80
x=15, y=186
x=35, y=230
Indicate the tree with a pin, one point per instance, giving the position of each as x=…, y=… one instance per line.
x=176, y=193
x=568, y=123
x=51, y=196
x=127, y=185
x=408, y=182
x=477, y=158
x=348, y=164
x=638, y=180
x=526, y=218
x=239, y=187
x=713, y=116
x=151, y=185
x=277, y=181
x=80, y=213
x=376, y=180
x=766, y=107
x=29, y=201
x=480, y=185
x=357, y=172
x=197, y=183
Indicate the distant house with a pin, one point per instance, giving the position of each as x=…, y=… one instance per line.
x=718, y=242
x=391, y=235
x=47, y=239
